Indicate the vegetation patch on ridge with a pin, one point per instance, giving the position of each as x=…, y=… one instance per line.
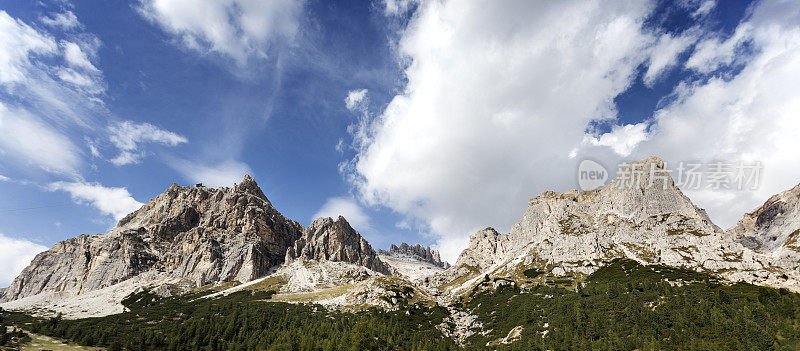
x=621, y=306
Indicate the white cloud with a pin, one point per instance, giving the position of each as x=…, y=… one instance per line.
x=51, y=94
x=459, y=151
x=356, y=100
x=665, y=54
x=705, y=8
x=698, y=8
x=128, y=136
x=225, y=173
x=76, y=57
x=347, y=207
x=79, y=79
x=64, y=21
x=4, y=178
x=621, y=139
x=713, y=53
x=18, y=42
x=116, y=202
x=236, y=28
x=750, y=116
x=15, y=255
x=27, y=139
x=497, y=97
x=397, y=7
x=127, y=158
x=79, y=70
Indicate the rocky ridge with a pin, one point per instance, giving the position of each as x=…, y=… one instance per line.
x=194, y=236
x=335, y=240
x=646, y=218
x=418, y=252
x=197, y=235
x=773, y=225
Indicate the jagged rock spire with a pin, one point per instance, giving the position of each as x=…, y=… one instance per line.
x=249, y=186
x=422, y=253
x=335, y=240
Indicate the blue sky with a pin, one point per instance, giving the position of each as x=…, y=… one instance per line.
x=420, y=121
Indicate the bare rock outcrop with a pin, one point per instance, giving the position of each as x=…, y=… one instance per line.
x=773, y=225
x=418, y=252
x=197, y=234
x=640, y=215
x=335, y=240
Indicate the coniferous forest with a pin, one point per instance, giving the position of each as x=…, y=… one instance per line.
x=623, y=306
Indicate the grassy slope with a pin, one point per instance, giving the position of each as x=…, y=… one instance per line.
x=621, y=306
x=628, y=306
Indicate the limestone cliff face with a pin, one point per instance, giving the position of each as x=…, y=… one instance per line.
x=418, y=252
x=773, y=230
x=486, y=248
x=197, y=234
x=643, y=217
x=773, y=225
x=335, y=240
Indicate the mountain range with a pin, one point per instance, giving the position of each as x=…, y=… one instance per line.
x=232, y=239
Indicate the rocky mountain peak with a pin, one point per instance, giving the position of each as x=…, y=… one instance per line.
x=417, y=251
x=486, y=247
x=196, y=234
x=640, y=214
x=249, y=186
x=335, y=240
x=772, y=225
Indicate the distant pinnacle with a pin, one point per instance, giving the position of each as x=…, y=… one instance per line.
x=249, y=185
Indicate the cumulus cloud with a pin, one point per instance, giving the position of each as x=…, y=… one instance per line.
x=750, y=115
x=116, y=202
x=621, y=139
x=239, y=29
x=15, y=255
x=347, y=207
x=497, y=97
x=128, y=136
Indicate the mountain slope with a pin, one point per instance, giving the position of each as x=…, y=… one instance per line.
x=335, y=240
x=773, y=225
x=193, y=235
x=413, y=261
x=417, y=251
x=643, y=217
